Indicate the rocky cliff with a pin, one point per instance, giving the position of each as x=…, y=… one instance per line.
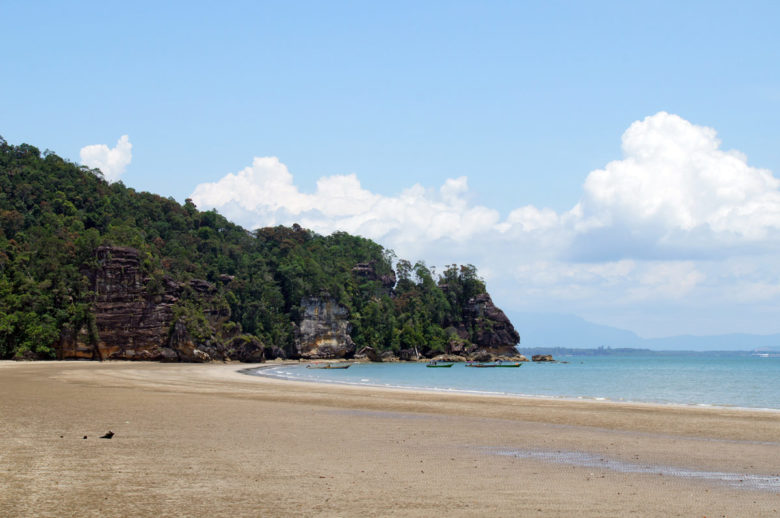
x=488, y=327
x=135, y=317
x=202, y=287
x=324, y=330
x=131, y=324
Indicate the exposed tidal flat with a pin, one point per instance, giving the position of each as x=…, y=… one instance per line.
x=206, y=440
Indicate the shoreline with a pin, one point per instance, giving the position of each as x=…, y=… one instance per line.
x=207, y=439
x=257, y=371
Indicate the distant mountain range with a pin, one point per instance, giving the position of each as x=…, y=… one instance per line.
x=539, y=330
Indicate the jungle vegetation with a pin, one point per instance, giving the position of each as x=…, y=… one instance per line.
x=54, y=214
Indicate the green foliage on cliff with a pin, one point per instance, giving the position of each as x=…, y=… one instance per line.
x=54, y=214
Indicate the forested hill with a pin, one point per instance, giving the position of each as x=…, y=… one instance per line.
x=77, y=255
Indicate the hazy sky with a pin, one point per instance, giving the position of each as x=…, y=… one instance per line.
x=615, y=160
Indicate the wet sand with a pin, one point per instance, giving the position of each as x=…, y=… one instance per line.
x=206, y=440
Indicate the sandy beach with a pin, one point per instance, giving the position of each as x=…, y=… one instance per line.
x=207, y=440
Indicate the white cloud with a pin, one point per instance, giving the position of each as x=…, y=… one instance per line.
x=624, y=281
x=678, y=189
x=674, y=191
x=666, y=280
x=264, y=194
x=112, y=162
x=674, y=219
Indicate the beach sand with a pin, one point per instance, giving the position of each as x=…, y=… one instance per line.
x=206, y=440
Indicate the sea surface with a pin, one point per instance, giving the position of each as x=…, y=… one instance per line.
x=700, y=379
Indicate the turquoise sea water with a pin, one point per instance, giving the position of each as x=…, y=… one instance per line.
x=695, y=379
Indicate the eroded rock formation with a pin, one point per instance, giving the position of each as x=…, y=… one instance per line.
x=324, y=330
x=130, y=323
x=135, y=317
x=488, y=328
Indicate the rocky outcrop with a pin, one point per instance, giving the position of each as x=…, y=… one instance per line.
x=274, y=352
x=484, y=334
x=245, y=348
x=369, y=353
x=183, y=345
x=324, y=330
x=139, y=317
x=488, y=328
x=482, y=356
x=136, y=317
x=458, y=344
x=130, y=322
x=542, y=358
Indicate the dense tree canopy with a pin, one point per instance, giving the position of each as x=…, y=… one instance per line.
x=55, y=214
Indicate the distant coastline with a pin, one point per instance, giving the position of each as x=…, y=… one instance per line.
x=612, y=351
x=544, y=330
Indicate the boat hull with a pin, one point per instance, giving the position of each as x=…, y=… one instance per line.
x=493, y=365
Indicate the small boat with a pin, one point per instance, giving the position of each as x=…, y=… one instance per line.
x=328, y=366
x=438, y=364
x=497, y=364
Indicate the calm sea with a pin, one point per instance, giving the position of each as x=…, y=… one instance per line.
x=687, y=379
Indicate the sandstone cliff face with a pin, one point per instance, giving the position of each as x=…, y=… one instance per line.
x=134, y=321
x=130, y=323
x=324, y=330
x=138, y=318
x=488, y=327
x=323, y=333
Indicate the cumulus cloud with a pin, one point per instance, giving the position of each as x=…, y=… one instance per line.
x=676, y=190
x=664, y=222
x=111, y=161
x=265, y=194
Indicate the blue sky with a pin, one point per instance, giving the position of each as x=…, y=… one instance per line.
x=523, y=99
